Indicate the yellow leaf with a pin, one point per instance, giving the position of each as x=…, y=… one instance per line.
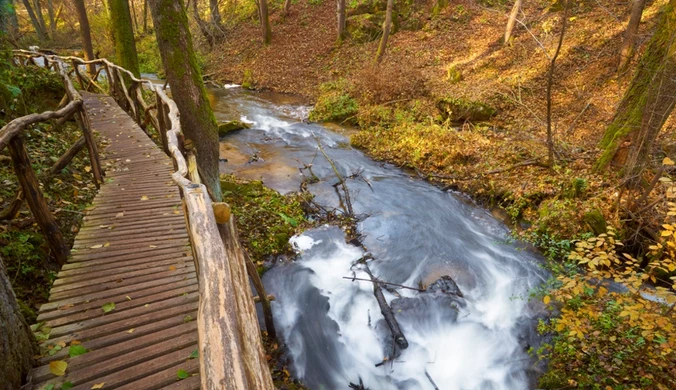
x=58, y=367
x=98, y=385
x=612, y=338
x=144, y=197
x=88, y=169
x=172, y=268
x=546, y=299
x=107, y=244
x=131, y=330
x=96, y=246
x=667, y=161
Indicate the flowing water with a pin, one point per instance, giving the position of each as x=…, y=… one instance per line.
x=417, y=233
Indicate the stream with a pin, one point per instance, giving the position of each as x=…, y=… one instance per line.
x=333, y=327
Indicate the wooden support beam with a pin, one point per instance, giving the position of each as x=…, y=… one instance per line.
x=36, y=201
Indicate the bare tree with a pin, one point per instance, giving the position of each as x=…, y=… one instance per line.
x=264, y=17
x=215, y=13
x=52, y=20
x=387, y=26
x=630, y=34
x=145, y=16
x=550, y=83
x=17, y=346
x=85, y=32
x=39, y=29
x=511, y=22
x=341, y=20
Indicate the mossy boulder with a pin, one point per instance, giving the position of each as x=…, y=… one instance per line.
x=228, y=127
x=360, y=7
x=364, y=28
x=461, y=110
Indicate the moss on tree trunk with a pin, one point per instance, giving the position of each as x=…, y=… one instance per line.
x=184, y=76
x=123, y=35
x=17, y=346
x=648, y=101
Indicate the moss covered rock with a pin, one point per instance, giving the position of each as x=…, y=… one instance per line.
x=228, y=127
x=365, y=27
x=461, y=110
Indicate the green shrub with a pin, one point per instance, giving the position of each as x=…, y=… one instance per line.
x=334, y=103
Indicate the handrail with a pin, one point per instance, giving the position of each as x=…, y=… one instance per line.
x=230, y=348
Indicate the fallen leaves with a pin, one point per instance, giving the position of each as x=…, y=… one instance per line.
x=98, y=385
x=76, y=350
x=108, y=307
x=58, y=367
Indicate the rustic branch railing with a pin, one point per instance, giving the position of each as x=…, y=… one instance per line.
x=231, y=353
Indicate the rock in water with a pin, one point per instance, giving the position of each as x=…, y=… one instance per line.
x=228, y=127
x=445, y=285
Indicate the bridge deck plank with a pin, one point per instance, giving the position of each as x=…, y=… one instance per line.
x=144, y=266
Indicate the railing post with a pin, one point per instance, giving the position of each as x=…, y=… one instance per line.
x=83, y=124
x=78, y=75
x=162, y=122
x=36, y=201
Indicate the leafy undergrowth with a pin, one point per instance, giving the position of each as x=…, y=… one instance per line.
x=22, y=246
x=266, y=220
x=613, y=331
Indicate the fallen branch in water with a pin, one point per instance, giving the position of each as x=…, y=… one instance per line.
x=381, y=282
x=346, y=192
x=387, y=312
x=427, y=374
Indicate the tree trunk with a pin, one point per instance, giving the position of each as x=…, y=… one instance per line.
x=265, y=21
x=387, y=26
x=183, y=74
x=550, y=83
x=145, y=16
x=85, y=33
x=206, y=32
x=341, y=20
x=123, y=35
x=17, y=346
x=512, y=20
x=215, y=13
x=40, y=17
x=52, y=20
x=630, y=35
x=133, y=15
x=648, y=101
x=42, y=34
x=287, y=7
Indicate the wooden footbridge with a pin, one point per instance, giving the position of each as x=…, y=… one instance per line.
x=155, y=288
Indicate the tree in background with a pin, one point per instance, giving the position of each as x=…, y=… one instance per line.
x=387, y=26
x=39, y=28
x=264, y=17
x=52, y=19
x=341, y=20
x=215, y=13
x=287, y=7
x=184, y=75
x=123, y=35
x=17, y=346
x=630, y=34
x=511, y=22
x=85, y=33
x=648, y=101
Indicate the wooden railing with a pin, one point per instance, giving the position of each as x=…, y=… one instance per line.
x=230, y=348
